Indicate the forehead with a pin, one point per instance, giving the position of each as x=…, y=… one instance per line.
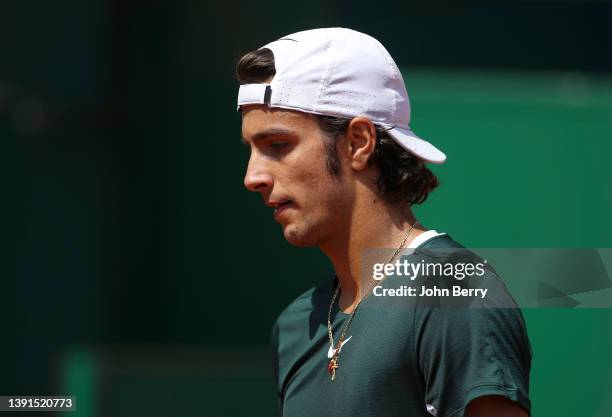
x=258, y=119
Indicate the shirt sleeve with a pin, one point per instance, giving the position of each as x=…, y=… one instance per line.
x=466, y=353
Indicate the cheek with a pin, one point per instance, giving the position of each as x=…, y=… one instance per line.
x=319, y=190
x=318, y=181
x=309, y=170
x=326, y=193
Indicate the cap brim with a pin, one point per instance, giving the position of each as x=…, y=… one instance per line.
x=417, y=146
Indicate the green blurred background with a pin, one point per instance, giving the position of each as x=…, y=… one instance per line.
x=146, y=278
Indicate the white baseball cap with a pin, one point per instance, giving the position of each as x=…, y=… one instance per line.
x=344, y=73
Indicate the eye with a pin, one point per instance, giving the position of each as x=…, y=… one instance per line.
x=278, y=146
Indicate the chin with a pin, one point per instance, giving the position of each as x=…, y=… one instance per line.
x=298, y=238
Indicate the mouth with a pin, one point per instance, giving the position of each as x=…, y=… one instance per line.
x=281, y=207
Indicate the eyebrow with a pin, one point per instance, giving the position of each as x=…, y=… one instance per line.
x=270, y=132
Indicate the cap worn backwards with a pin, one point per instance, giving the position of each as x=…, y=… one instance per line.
x=344, y=73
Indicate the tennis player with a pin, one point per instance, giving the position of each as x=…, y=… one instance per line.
x=326, y=116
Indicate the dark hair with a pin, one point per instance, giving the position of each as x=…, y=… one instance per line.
x=403, y=176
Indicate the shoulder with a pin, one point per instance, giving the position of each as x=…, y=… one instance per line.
x=441, y=241
x=478, y=307
x=306, y=302
x=308, y=308
x=443, y=250
x=299, y=329
x=472, y=346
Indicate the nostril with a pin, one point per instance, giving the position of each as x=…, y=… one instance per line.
x=257, y=182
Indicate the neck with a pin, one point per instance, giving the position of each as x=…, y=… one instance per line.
x=377, y=225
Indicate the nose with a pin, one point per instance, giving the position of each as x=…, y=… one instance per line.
x=257, y=177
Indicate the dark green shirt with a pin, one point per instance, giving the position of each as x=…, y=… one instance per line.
x=406, y=356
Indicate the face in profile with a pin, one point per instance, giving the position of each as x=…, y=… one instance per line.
x=288, y=167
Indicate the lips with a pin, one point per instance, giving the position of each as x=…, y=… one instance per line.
x=282, y=207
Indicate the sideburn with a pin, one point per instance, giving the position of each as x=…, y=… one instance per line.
x=333, y=163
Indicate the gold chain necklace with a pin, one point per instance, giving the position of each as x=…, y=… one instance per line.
x=333, y=365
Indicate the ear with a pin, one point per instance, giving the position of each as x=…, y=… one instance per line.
x=361, y=141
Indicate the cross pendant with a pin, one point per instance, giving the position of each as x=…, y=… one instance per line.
x=332, y=366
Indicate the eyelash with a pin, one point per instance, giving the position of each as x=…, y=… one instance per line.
x=277, y=146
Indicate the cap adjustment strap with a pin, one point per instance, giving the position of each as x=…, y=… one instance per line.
x=254, y=94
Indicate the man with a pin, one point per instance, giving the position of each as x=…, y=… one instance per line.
x=326, y=116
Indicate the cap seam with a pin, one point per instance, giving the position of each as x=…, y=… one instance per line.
x=330, y=67
x=395, y=74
